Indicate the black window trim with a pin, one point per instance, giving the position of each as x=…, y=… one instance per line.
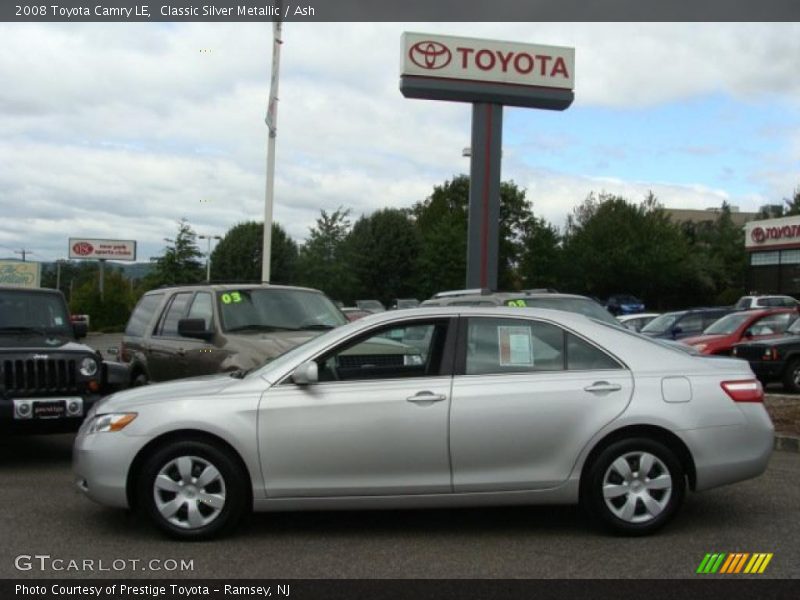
x=446, y=368
x=157, y=332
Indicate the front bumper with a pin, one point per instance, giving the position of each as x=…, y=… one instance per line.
x=767, y=370
x=101, y=462
x=11, y=421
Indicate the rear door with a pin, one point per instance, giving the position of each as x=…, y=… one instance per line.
x=527, y=397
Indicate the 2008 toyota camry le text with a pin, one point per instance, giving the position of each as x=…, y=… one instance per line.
x=434, y=407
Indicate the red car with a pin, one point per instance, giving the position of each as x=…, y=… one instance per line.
x=721, y=335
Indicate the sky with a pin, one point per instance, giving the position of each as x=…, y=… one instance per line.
x=120, y=130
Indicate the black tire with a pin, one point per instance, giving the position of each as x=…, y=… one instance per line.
x=642, y=521
x=791, y=376
x=233, y=489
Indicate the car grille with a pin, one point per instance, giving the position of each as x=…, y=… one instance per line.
x=354, y=361
x=36, y=376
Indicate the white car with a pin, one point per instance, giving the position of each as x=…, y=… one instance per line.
x=637, y=321
x=749, y=302
x=501, y=406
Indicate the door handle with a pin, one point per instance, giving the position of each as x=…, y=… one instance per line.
x=426, y=398
x=602, y=387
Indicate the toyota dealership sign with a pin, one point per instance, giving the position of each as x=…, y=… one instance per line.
x=102, y=249
x=449, y=57
x=773, y=233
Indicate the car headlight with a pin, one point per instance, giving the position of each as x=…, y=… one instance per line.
x=110, y=422
x=88, y=367
x=700, y=347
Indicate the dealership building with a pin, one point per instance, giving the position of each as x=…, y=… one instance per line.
x=773, y=248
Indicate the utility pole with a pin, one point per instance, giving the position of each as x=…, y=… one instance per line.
x=272, y=125
x=208, y=253
x=24, y=252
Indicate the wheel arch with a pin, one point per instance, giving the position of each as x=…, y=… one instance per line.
x=181, y=435
x=654, y=432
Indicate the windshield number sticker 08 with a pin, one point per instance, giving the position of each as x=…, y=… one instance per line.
x=233, y=297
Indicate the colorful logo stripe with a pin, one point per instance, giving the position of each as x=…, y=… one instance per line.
x=735, y=562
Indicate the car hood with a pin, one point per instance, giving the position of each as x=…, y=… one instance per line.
x=207, y=385
x=262, y=346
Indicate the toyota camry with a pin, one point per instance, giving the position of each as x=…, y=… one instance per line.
x=434, y=407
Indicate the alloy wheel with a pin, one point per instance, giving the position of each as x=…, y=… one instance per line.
x=637, y=487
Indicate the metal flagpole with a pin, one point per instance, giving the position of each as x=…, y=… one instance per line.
x=272, y=122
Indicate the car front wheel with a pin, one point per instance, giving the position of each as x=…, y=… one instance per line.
x=193, y=489
x=635, y=486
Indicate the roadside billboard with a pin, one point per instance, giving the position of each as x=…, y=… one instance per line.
x=20, y=274
x=102, y=249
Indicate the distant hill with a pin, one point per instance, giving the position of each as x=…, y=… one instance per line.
x=129, y=270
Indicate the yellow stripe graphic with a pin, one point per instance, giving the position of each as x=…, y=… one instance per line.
x=765, y=563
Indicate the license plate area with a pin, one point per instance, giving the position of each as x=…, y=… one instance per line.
x=50, y=409
x=47, y=408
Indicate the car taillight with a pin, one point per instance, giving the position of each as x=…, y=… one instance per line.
x=748, y=390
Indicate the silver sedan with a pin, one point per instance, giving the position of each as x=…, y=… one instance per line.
x=449, y=406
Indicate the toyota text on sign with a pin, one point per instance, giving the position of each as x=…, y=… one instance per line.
x=449, y=57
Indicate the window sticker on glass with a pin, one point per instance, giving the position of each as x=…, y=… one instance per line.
x=517, y=303
x=233, y=297
x=58, y=321
x=515, y=346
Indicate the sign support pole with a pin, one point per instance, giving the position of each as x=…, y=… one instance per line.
x=102, y=262
x=484, y=195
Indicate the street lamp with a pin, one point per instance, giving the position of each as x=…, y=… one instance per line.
x=208, y=253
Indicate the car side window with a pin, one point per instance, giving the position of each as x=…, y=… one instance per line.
x=693, y=322
x=173, y=314
x=769, y=325
x=582, y=356
x=398, y=351
x=202, y=308
x=512, y=345
x=143, y=314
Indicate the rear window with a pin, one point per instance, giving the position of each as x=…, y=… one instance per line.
x=143, y=315
x=581, y=306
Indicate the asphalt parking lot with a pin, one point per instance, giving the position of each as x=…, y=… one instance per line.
x=44, y=515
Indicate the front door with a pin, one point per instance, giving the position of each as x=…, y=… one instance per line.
x=375, y=424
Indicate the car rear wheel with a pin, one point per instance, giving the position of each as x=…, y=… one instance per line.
x=634, y=486
x=193, y=489
x=791, y=377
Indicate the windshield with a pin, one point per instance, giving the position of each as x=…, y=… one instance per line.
x=662, y=323
x=24, y=311
x=727, y=324
x=794, y=328
x=277, y=310
x=582, y=306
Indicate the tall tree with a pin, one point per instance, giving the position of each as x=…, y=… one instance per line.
x=322, y=262
x=540, y=263
x=383, y=250
x=442, y=219
x=237, y=257
x=181, y=261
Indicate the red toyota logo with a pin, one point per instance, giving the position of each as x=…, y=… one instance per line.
x=82, y=248
x=430, y=55
x=758, y=235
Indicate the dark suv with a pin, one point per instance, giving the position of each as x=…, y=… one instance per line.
x=203, y=329
x=48, y=381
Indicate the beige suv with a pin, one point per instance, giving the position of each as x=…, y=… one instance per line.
x=203, y=329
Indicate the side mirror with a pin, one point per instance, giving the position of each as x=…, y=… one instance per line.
x=748, y=334
x=306, y=374
x=194, y=328
x=80, y=329
x=677, y=330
